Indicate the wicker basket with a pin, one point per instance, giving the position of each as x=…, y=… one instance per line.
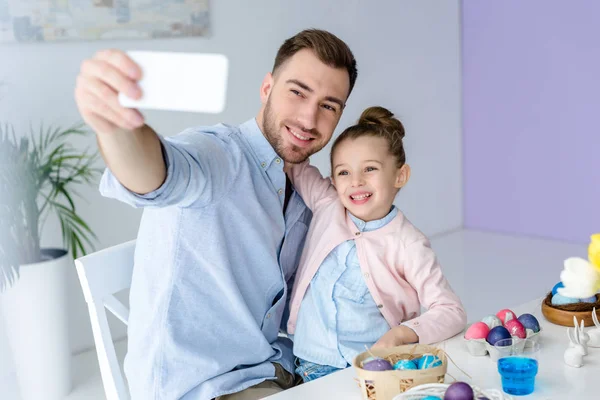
x=385, y=385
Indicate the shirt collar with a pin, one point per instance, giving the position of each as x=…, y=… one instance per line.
x=259, y=143
x=376, y=224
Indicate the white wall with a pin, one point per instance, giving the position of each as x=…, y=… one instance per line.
x=408, y=59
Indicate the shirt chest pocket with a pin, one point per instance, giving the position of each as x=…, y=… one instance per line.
x=352, y=285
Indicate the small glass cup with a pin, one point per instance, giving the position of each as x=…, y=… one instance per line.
x=518, y=365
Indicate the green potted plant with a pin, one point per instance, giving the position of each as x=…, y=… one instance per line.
x=39, y=174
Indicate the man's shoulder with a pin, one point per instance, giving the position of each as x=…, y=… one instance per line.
x=217, y=132
x=220, y=140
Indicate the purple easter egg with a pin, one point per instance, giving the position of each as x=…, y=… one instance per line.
x=459, y=391
x=530, y=322
x=497, y=334
x=378, y=364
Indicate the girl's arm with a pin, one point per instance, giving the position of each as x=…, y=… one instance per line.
x=309, y=183
x=445, y=315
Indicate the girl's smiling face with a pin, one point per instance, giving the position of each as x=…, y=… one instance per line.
x=366, y=176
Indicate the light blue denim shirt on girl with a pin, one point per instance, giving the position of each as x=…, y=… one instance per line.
x=338, y=315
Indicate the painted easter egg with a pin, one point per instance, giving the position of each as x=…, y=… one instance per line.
x=378, y=364
x=459, y=391
x=558, y=300
x=530, y=322
x=429, y=361
x=589, y=300
x=556, y=287
x=505, y=315
x=479, y=330
x=497, y=334
x=492, y=321
x=431, y=398
x=405, y=364
x=516, y=328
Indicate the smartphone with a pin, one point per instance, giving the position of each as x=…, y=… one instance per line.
x=175, y=81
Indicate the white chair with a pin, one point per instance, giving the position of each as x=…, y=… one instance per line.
x=102, y=274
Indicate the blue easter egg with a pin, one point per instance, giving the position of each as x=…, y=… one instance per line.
x=404, y=364
x=497, y=334
x=556, y=287
x=530, y=322
x=558, y=300
x=429, y=361
x=589, y=300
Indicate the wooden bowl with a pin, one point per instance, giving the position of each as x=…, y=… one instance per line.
x=563, y=315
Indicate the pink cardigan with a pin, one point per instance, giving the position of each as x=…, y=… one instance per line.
x=397, y=262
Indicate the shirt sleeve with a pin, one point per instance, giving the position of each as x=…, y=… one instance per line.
x=445, y=315
x=310, y=184
x=199, y=172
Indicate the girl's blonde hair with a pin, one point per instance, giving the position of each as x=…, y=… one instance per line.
x=377, y=122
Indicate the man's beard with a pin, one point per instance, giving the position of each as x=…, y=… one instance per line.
x=292, y=154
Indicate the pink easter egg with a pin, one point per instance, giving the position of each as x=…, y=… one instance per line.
x=505, y=315
x=479, y=330
x=516, y=328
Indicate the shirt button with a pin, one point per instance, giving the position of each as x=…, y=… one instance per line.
x=278, y=160
x=263, y=164
x=366, y=274
x=280, y=191
x=379, y=305
x=268, y=315
x=357, y=234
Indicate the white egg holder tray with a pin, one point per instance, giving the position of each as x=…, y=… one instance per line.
x=480, y=347
x=439, y=389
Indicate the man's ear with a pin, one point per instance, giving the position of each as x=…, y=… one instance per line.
x=402, y=176
x=266, y=87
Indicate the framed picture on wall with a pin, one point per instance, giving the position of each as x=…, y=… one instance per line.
x=70, y=20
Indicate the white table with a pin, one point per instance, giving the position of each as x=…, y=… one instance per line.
x=555, y=380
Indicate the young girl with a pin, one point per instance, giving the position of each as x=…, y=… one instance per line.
x=365, y=270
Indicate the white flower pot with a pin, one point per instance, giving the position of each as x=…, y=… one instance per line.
x=36, y=323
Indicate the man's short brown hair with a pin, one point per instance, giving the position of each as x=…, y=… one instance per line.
x=330, y=49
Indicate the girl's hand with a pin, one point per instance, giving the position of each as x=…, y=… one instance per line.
x=397, y=336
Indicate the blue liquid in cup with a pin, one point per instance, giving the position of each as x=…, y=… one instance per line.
x=518, y=375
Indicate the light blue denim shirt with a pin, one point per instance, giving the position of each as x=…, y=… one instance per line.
x=212, y=268
x=338, y=316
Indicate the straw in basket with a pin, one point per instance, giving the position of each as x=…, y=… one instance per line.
x=385, y=385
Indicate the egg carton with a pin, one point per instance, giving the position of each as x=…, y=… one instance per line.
x=439, y=389
x=480, y=347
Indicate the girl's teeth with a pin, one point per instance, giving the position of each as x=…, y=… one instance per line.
x=360, y=197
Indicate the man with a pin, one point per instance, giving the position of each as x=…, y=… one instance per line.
x=222, y=229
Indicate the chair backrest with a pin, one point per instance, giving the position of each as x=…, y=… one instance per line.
x=102, y=274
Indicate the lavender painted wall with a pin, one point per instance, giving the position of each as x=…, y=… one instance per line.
x=531, y=105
